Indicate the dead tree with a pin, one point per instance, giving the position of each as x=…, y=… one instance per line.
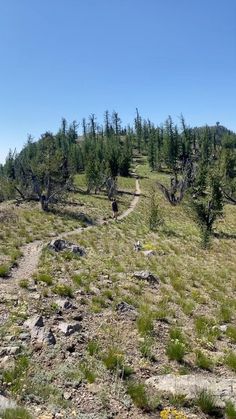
x=175, y=193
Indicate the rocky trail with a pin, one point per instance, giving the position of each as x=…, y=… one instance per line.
x=31, y=252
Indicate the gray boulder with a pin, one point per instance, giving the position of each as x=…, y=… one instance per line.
x=223, y=389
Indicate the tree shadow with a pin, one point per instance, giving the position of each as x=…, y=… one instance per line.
x=224, y=235
x=67, y=214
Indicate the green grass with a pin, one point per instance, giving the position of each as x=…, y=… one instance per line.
x=15, y=413
x=230, y=410
x=63, y=290
x=15, y=377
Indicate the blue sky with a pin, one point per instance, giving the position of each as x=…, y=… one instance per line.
x=71, y=58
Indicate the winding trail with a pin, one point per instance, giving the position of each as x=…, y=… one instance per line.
x=31, y=252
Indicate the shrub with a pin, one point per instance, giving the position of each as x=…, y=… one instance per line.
x=175, y=350
x=137, y=392
x=41, y=277
x=202, y=361
x=113, y=359
x=88, y=373
x=4, y=271
x=155, y=219
x=93, y=347
x=231, y=333
x=24, y=283
x=230, y=360
x=206, y=401
x=176, y=334
x=205, y=328
x=146, y=348
x=63, y=290
x=225, y=313
x=78, y=280
x=145, y=321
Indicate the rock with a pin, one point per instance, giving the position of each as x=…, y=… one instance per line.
x=137, y=246
x=6, y=403
x=124, y=307
x=68, y=328
x=148, y=253
x=36, y=296
x=59, y=245
x=223, y=328
x=43, y=335
x=9, y=350
x=94, y=290
x=78, y=317
x=147, y=276
x=24, y=336
x=35, y=321
x=67, y=395
x=64, y=304
x=6, y=362
x=223, y=389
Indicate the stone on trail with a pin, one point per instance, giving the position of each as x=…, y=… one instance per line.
x=223, y=389
x=147, y=276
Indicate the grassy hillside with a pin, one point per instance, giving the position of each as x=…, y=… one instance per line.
x=173, y=325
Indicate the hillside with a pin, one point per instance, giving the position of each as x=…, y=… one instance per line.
x=84, y=336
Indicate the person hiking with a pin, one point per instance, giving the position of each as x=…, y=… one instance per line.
x=114, y=207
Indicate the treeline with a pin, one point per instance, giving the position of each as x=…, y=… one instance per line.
x=193, y=156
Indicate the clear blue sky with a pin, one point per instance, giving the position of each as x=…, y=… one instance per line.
x=70, y=58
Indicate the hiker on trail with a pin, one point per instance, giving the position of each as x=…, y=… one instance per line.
x=114, y=207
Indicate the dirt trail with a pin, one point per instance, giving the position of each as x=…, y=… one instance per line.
x=133, y=202
x=31, y=252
